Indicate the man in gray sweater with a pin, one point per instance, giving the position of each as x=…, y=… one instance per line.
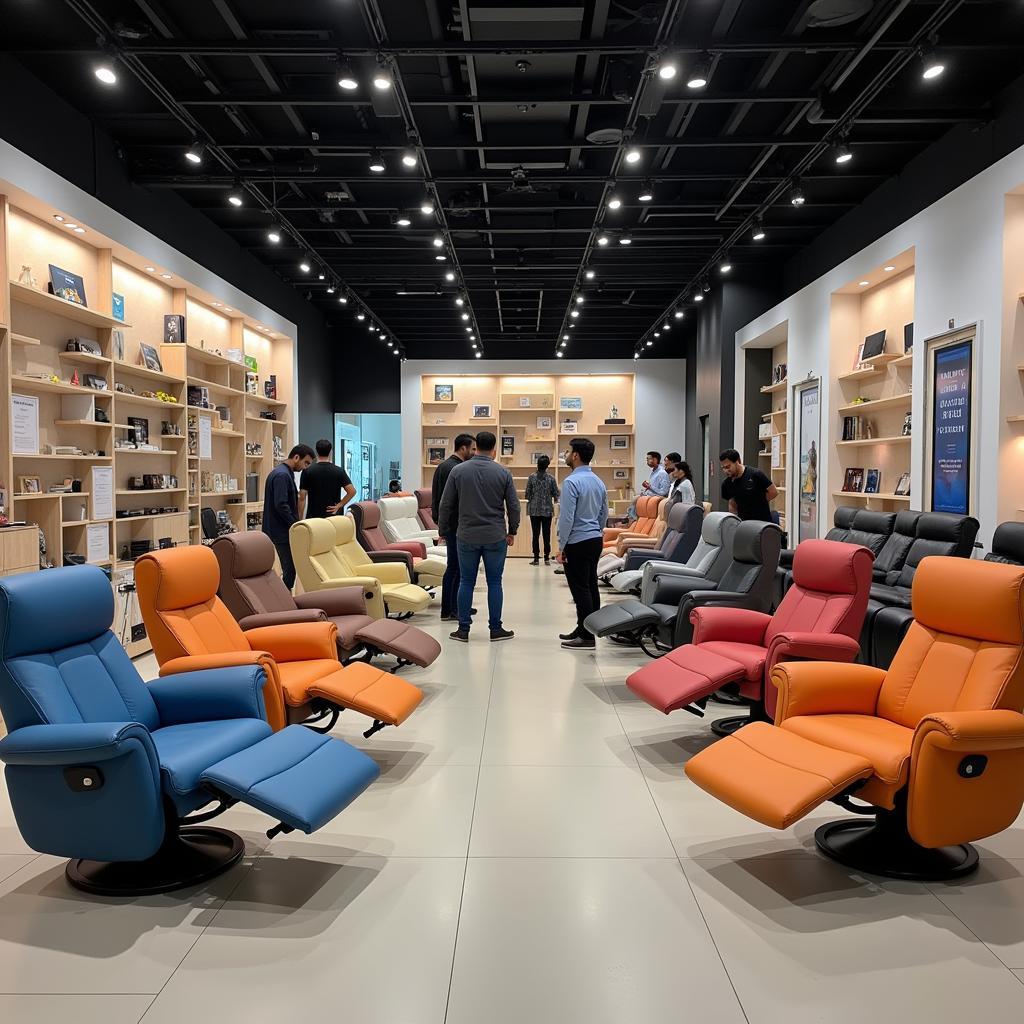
x=478, y=496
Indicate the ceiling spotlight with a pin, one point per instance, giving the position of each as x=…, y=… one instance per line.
x=409, y=158
x=478, y=354
x=194, y=153
x=427, y=207
x=757, y=233
x=668, y=69
x=474, y=343
x=235, y=197
x=706, y=286
x=58, y=218
x=320, y=276
x=565, y=341
x=589, y=274
x=330, y=289
x=614, y=202
x=863, y=284
x=274, y=233
x=166, y=277
x=698, y=297
x=304, y=265
x=796, y=196
x=650, y=342
x=437, y=241
x=931, y=66
x=150, y=270
x=699, y=73
x=636, y=355
x=657, y=334
x=602, y=239
x=346, y=78
x=889, y=268
x=382, y=77
x=559, y=354
x=565, y=337
x=376, y=162
x=78, y=229
x=580, y=300
x=449, y=276
x=574, y=313
x=725, y=266
x=105, y=73
x=572, y=327
x=472, y=338
x=679, y=314
x=632, y=155
x=440, y=257
x=646, y=193
x=843, y=153
x=465, y=316
x=460, y=301
x=403, y=220
x=343, y=299
x=70, y=226
x=390, y=343
x=625, y=240
x=360, y=316
x=666, y=326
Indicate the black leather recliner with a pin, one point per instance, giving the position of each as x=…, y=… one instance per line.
x=1007, y=544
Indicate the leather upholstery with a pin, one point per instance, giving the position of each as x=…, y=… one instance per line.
x=428, y=572
x=710, y=559
x=399, y=519
x=425, y=509
x=1007, y=544
x=682, y=534
x=647, y=507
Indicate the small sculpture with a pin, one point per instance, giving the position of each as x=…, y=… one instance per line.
x=906, y=425
x=613, y=413
x=25, y=277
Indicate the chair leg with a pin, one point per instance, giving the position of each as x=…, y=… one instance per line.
x=733, y=724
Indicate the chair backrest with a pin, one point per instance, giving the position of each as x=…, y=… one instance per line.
x=683, y=531
x=425, y=508
x=1007, y=544
x=59, y=661
x=894, y=551
x=248, y=583
x=325, y=549
x=963, y=651
x=719, y=533
x=208, y=521
x=661, y=520
x=646, y=514
x=871, y=529
x=842, y=520
x=938, y=533
x=399, y=520
x=177, y=590
x=755, y=557
x=831, y=585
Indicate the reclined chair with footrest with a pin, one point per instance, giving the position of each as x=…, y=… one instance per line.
x=399, y=519
x=110, y=772
x=933, y=746
x=426, y=572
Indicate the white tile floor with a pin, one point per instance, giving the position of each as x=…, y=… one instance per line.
x=531, y=853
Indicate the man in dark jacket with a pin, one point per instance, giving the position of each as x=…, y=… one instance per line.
x=477, y=498
x=465, y=446
x=281, y=506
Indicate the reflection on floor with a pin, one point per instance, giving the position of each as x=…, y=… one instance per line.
x=531, y=853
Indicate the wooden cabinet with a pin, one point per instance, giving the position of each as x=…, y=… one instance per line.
x=19, y=550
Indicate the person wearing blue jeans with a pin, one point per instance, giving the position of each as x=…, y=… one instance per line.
x=480, y=507
x=465, y=446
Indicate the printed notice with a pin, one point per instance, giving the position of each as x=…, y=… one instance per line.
x=97, y=542
x=205, y=437
x=102, y=492
x=951, y=429
x=25, y=424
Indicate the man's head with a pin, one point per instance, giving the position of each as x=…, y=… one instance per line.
x=464, y=445
x=653, y=459
x=485, y=443
x=394, y=486
x=731, y=465
x=581, y=451
x=323, y=448
x=299, y=457
x=670, y=461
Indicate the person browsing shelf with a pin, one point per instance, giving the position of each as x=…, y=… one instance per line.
x=541, y=495
x=747, y=490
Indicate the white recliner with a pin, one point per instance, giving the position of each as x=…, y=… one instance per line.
x=399, y=519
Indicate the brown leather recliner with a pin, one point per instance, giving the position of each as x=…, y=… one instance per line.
x=256, y=596
x=425, y=509
x=427, y=572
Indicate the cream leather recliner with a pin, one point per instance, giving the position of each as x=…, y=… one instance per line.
x=326, y=555
x=399, y=519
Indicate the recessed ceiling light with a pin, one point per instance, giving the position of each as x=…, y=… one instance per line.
x=465, y=316
x=602, y=239
x=78, y=230
x=440, y=257
x=449, y=276
x=479, y=354
x=559, y=353
x=217, y=304
x=666, y=326
x=678, y=314
x=166, y=277
x=579, y=300
x=889, y=269
x=657, y=334
x=437, y=241
x=589, y=275
x=625, y=240
x=565, y=337
x=105, y=73
x=574, y=313
x=633, y=155
x=360, y=316
x=150, y=270
x=227, y=309
x=58, y=218
x=71, y=227
x=636, y=355
x=194, y=153
x=469, y=330
x=864, y=284
x=460, y=301
x=650, y=342
x=614, y=202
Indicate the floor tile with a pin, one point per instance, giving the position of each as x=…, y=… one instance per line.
x=552, y=690
x=9, y=863
x=1019, y=975
x=538, y=736
x=82, y=1009
x=584, y=942
x=566, y=812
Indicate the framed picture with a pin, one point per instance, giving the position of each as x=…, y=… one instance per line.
x=543, y=422
x=117, y=306
x=481, y=412
x=29, y=485
x=620, y=474
x=435, y=456
x=437, y=442
x=117, y=338
x=66, y=285
x=908, y=339
x=524, y=401
x=535, y=457
x=444, y=392
x=859, y=356
x=570, y=404
x=174, y=329
x=569, y=426
x=903, y=484
x=853, y=481
x=808, y=402
x=150, y=357
x=618, y=442
x=951, y=407
x=91, y=380
x=872, y=480
x=874, y=345
x=508, y=444
x=139, y=429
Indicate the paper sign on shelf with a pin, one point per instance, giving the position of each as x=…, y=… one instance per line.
x=205, y=437
x=25, y=424
x=102, y=488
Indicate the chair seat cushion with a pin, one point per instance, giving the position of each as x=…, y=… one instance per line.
x=622, y=617
x=405, y=597
x=401, y=640
x=685, y=675
x=894, y=597
x=628, y=581
x=298, y=676
x=885, y=744
x=186, y=751
x=369, y=690
x=750, y=656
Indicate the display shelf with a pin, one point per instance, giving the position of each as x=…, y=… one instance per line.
x=872, y=442
x=273, y=403
x=214, y=388
x=133, y=370
x=774, y=389
x=49, y=387
x=874, y=404
x=123, y=397
x=203, y=356
x=83, y=358
x=155, y=490
x=61, y=307
x=903, y=361
x=24, y=340
x=144, y=451
x=220, y=432
x=149, y=515
x=615, y=428
x=84, y=522
x=64, y=458
x=448, y=404
x=879, y=496
x=82, y=423
x=870, y=373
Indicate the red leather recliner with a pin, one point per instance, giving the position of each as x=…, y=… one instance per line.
x=425, y=508
x=820, y=618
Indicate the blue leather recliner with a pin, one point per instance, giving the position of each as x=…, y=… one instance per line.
x=110, y=771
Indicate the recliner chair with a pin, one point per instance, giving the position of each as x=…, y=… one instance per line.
x=1007, y=544
x=427, y=572
x=106, y=770
x=256, y=596
x=399, y=521
x=677, y=545
x=647, y=507
x=190, y=628
x=327, y=556
x=934, y=745
x=425, y=509
x=613, y=560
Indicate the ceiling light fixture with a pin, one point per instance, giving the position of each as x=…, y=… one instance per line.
x=614, y=202
x=580, y=300
x=465, y=316
x=403, y=220
x=440, y=257
x=574, y=313
x=449, y=276
x=166, y=277
x=194, y=153
x=78, y=229
x=646, y=193
x=657, y=334
x=625, y=240
x=427, y=207
x=931, y=66
x=796, y=196
x=346, y=78
x=382, y=77
x=409, y=158
x=304, y=265
x=274, y=233
x=633, y=155
x=589, y=274
x=668, y=69
x=437, y=241
x=565, y=337
x=150, y=270
x=758, y=233
x=105, y=73
x=700, y=73
x=843, y=153
x=666, y=326
x=235, y=197
x=650, y=342
x=478, y=354
x=343, y=299
x=58, y=218
x=602, y=239
x=698, y=297
x=460, y=301
x=330, y=289
x=360, y=316
x=726, y=265
x=679, y=314
x=705, y=286
x=889, y=268
x=558, y=354
x=377, y=164
x=863, y=284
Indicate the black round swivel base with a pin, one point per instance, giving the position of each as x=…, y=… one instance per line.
x=876, y=849
x=731, y=697
x=732, y=724
x=191, y=856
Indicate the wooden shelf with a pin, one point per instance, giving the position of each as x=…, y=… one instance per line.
x=81, y=423
x=132, y=370
x=83, y=522
x=37, y=497
x=154, y=490
x=61, y=307
x=215, y=388
x=615, y=428
x=870, y=442
x=144, y=451
x=450, y=404
x=149, y=515
x=66, y=458
x=867, y=374
x=774, y=389
x=881, y=496
x=226, y=433
x=34, y=384
x=1015, y=419
x=221, y=494
x=878, y=403
x=83, y=358
x=121, y=396
x=201, y=355
x=907, y=360
x=23, y=339
x=274, y=403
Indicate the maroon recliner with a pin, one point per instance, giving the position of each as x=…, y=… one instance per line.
x=256, y=596
x=427, y=572
x=425, y=501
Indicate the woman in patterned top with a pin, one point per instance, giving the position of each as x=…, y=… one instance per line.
x=541, y=495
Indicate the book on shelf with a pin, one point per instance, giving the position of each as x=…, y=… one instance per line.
x=857, y=428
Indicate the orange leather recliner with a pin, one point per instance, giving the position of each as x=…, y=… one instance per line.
x=191, y=628
x=935, y=743
x=647, y=508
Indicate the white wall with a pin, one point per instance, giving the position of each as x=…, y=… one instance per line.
x=660, y=397
x=959, y=277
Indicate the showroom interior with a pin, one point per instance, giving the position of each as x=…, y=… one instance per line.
x=752, y=749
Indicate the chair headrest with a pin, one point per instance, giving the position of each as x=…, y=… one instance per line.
x=868, y=521
x=370, y=513
x=243, y=555
x=398, y=508
x=46, y=611
x=970, y=598
x=946, y=526
x=748, y=545
x=829, y=566
x=424, y=497
x=684, y=516
x=1008, y=542
x=180, y=577
x=713, y=525
x=843, y=519
x=322, y=534
x=906, y=523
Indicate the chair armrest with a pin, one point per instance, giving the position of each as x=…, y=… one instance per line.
x=675, y=589
x=739, y=625
x=416, y=548
x=209, y=696
x=304, y=641
x=968, y=731
x=825, y=688
x=402, y=558
x=343, y=601
x=74, y=743
x=812, y=647
x=281, y=618
x=202, y=662
x=386, y=572
x=613, y=532
x=627, y=543
x=786, y=558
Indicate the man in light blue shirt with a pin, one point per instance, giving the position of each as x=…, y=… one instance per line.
x=658, y=482
x=581, y=520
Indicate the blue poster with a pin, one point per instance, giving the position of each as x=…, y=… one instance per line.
x=951, y=429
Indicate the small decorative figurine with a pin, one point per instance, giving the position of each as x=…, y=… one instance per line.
x=25, y=277
x=906, y=425
x=613, y=413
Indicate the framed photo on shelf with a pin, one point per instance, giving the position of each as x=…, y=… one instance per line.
x=570, y=404
x=117, y=343
x=139, y=426
x=853, y=480
x=481, y=412
x=92, y=380
x=543, y=422
x=535, y=457
x=444, y=392
x=174, y=329
x=872, y=481
x=524, y=401
x=508, y=444
x=66, y=285
x=620, y=474
x=908, y=339
x=618, y=442
x=150, y=357
x=437, y=442
x=29, y=485
x=435, y=456
x=903, y=485
x=874, y=345
x=117, y=306
x=569, y=426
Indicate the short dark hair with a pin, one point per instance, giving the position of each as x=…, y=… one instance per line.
x=674, y=457
x=542, y=463
x=303, y=451
x=462, y=441
x=395, y=486
x=485, y=441
x=654, y=455
x=584, y=448
x=729, y=455
x=323, y=447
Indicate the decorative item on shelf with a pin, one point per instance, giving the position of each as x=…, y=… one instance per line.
x=435, y=456
x=123, y=389
x=481, y=412
x=278, y=449
x=67, y=286
x=138, y=429
x=907, y=425
x=198, y=397
x=543, y=422
x=93, y=381
x=117, y=344
x=764, y=431
x=780, y=372
x=868, y=429
x=443, y=441
x=508, y=445
x=908, y=339
x=853, y=480
x=569, y=426
x=903, y=485
x=29, y=485
x=74, y=379
x=236, y=355
x=573, y=404
x=62, y=449
x=524, y=401
x=100, y=416
x=169, y=429
x=270, y=387
x=535, y=456
x=253, y=449
x=218, y=482
x=232, y=483
x=150, y=358
x=251, y=363
x=254, y=520
x=618, y=442
x=117, y=306
x=620, y=474
x=26, y=278
x=268, y=414
x=174, y=329
x=858, y=357
x=252, y=383
x=872, y=481
x=874, y=345
x=86, y=345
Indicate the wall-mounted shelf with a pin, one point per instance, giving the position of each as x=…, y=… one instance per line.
x=774, y=389
x=61, y=307
x=880, y=496
x=24, y=339
x=124, y=397
x=877, y=403
x=49, y=387
x=871, y=442
x=133, y=370
x=83, y=358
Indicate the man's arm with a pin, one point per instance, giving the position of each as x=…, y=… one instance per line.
x=772, y=493
x=512, y=505
x=602, y=518
x=566, y=514
x=303, y=495
x=446, y=507
x=279, y=499
x=350, y=490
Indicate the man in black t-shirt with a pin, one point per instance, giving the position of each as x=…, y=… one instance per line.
x=747, y=490
x=321, y=486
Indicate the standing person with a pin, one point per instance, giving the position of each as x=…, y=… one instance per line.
x=581, y=521
x=464, y=445
x=281, y=506
x=682, y=482
x=321, y=486
x=747, y=490
x=657, y=482
x=541, y=495
x=477, y=497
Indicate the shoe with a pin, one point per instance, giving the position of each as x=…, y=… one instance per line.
x=569, y=636
x=462, y=635
x=579, y=644
x=501, y=634
x=547, y=561
x=449, y=618
x=559, y=571
x=535, y=561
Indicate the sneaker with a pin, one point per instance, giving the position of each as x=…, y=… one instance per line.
x=462, y=635
x=535, y=561
x=449, y=618
x=501, y=634
x=568, y=636
x=579, y=644
x=547, y=561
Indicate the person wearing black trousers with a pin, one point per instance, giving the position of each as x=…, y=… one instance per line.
x=541, y=495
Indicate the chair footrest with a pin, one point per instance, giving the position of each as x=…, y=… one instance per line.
x=297, y=776
x=627, y=580
x=685, y=675
x=369, y=690
x=773, y=775
x=624, y=617
x=402, y=640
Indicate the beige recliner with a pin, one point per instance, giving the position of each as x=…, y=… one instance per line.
x=326, y=555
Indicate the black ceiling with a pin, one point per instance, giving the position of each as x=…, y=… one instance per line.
x=520, y=116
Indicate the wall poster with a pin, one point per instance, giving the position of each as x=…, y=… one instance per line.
x=951, y=427
x=809, y=404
